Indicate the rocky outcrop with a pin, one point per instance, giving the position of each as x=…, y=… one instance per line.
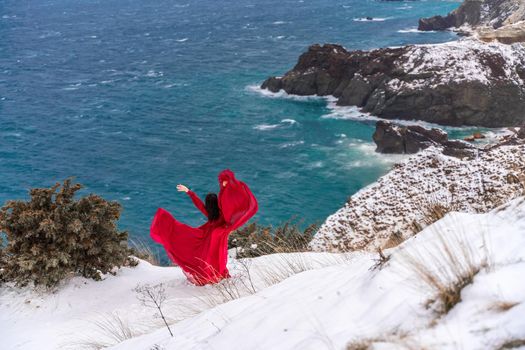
x=490, y=20
x=508, y=34
x=418, y=191
x=468, y=13
x=391, y=138
x=517, y=137
x=458, y=83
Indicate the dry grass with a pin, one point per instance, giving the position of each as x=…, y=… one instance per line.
x=432, y=209
x=283, y=266
x=144, y=251
x=447, y=268
x=381, y=260
x=249, y=279
x=502, y=306
x=110, y=329
x=394, y=240
x=401, y=340
x=512, y=344
x=256, y=240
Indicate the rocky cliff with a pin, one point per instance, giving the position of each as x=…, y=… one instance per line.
x=458, y=83
x=422, y=189
x=391, y=138
x=489, y=20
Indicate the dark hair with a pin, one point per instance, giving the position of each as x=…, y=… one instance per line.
x=212, y=206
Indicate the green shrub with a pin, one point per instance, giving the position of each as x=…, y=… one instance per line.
x=255, y=240
x=53, y=235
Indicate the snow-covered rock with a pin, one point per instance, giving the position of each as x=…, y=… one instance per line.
x=466, y=82
x=489, y=20
x=401, y=202
x=478, y=13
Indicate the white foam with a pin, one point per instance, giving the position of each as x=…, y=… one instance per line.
x=281, y=94
x=283, y=123
x=372, y=19
x=291, y=144
x=414, y=30
x=354, y=113
x=72, y=87
x=50, y=34
x=315, y=165
x=369, y=157
x=279, y=22
x=154, y=74
x=264, y=127
x=289, y=121
x=181, y=40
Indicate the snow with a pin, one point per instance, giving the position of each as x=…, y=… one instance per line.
x=338, y=299
x=399, y=199
x=462, y=60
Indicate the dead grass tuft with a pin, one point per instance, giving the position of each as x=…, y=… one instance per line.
x=381, y=261
x=401, y=340
x=255, y=240
x=144, y=251
x=512, y=344
x=447, y=268
x=110, y=329
x=502, y=306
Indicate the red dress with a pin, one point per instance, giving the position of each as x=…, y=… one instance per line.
x=202, y=252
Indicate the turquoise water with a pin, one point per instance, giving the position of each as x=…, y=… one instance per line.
x=132, y=97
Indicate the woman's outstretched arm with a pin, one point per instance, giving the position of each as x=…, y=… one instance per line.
x=194, y=198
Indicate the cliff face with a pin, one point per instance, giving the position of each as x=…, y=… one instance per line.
x=458, y=83
x=490, y=20
x=403, y=201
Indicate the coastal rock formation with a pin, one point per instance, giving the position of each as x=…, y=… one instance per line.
x=419, y=191
x=489, y=20
x=508, y=34
x=391, y=138
x=466, y=82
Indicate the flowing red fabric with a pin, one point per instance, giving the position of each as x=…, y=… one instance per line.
x=202, y=252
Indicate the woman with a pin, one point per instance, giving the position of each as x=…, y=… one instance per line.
x=202, y=252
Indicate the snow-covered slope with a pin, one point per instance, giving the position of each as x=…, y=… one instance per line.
x=398, y=203
x=462, y=60
x=336, y=303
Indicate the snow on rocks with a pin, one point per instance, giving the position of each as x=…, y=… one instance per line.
x=463, y=60
x=489, y=20
x=466, y=82
x=399, y=203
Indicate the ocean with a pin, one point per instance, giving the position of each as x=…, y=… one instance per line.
x=133, y=97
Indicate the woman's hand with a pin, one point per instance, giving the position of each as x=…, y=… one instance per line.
x=182, y=188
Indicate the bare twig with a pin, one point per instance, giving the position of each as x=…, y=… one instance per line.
x=153, y=297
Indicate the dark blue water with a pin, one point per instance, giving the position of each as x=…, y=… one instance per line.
x=132, y=97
